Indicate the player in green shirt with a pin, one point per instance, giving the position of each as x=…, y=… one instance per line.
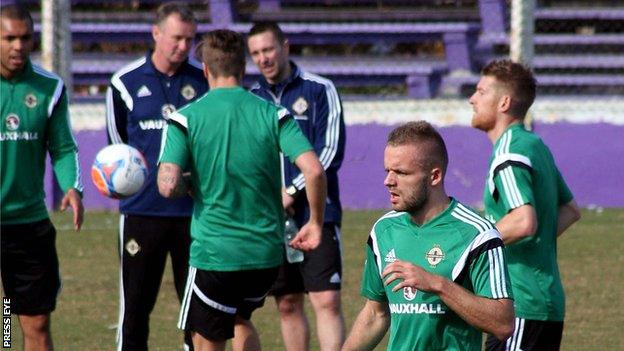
x=231, y=141
x=527, y=198
x=34, y=122
x=435, y=271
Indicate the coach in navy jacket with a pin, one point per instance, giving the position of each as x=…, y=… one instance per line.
x=314, y=103
x=141, y=96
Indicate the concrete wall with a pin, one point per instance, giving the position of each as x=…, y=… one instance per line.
x=588, y=155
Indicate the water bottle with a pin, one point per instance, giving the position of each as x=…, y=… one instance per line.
x=290, y=231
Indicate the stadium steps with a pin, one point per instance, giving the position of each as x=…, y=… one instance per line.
x=134, y=16
x=580, y=13
x=559, y=39
x=366, y=15
x=562, y=63
x=422, y=77
x=585, y=84
x=458, y=38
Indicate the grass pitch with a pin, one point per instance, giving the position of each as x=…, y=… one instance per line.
x=590, y=257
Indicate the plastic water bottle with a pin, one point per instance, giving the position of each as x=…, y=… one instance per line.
x=290, y=231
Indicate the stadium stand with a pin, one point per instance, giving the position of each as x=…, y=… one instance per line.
x=429, y=48
x=577, y=49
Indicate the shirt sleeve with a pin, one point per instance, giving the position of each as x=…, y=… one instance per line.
x=175, y=148
x=565, y=195
x=372, y=285
x=329, y=133
x=488, y=272
x=62, y=147
x=292, y=142
x=116, y=117
x=515, y=186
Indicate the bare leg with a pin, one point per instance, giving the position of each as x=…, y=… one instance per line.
x=245, y=336
x=36, y=331
x=202, y=344
x=294, y=322
x=329, y=320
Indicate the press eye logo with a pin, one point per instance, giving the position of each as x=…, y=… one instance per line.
x=12, y=122
x=435, y=255
x=6, y=323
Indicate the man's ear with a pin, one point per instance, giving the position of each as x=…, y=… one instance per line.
x=504, y=103
x=206, y=71
x=286, y=47
x=155, y=32
x=436, y=176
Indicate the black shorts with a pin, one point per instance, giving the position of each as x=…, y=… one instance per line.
x=213, y=299
x=529, y=335
x=321, y=269
x=30, y=267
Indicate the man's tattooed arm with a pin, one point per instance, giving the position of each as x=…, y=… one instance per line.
x=170, y=182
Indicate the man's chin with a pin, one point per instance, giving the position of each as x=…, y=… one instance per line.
x=270, y=75
x=15, y=68
x=475, y=124
x=397, y=207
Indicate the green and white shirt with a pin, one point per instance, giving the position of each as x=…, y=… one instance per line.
x=231, y=141
x=34, y=121
x=457, y=244
x=522, y=171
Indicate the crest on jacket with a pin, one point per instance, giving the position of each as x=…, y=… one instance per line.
x=300, y=106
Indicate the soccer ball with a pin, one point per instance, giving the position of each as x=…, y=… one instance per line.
x=119, y=171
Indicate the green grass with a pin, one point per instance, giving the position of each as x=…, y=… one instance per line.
x=590, y=257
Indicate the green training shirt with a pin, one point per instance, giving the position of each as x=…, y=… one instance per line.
x=34, y=121
x=522, y=171
x=457, y=244
x=231, y=140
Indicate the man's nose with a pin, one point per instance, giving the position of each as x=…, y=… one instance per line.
x=185, y=45
x=471, y=99
x=18, y=44
x=389, y=180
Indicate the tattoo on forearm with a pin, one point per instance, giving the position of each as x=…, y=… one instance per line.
x=171, y=178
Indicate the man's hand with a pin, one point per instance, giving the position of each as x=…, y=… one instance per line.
x=411, y=275
x=72, y=199
x=308, y=238
x=494, y=316
x=288, y=202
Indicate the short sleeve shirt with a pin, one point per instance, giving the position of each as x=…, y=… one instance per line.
x=457, y=244
x=35, y=121
x=231, y=140
x=523, y=171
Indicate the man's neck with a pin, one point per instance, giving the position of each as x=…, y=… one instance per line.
x=501, y=126
x=8, y=75
x=436, y=204
x=163, y=66
x=223, y=82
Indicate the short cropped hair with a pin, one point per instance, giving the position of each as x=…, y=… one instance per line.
x=223, y=52
x=268, y=26
x=518, y=80
x=169, y=8
x=16, y=12
x=418, y=133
